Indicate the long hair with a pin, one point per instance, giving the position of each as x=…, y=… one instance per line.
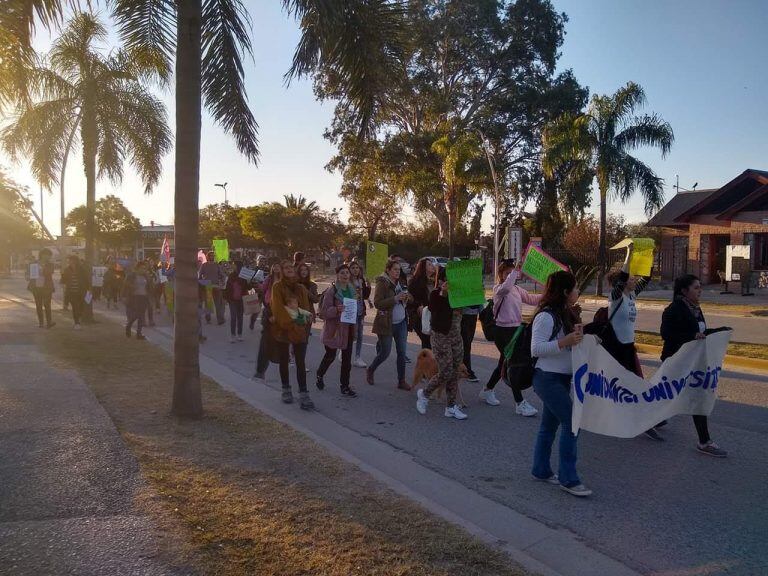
x=683, y=283
x=306, y=281
x=420, y=272
x=559, y=285
x=504, y=265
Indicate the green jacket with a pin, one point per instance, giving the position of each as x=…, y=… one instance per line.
x=384, y=302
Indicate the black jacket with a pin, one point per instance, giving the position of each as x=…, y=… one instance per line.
x=442, y=313
x=680, y=325
x=419, y=289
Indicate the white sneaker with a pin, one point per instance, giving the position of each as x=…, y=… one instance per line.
x=579, y=490
x=524, y=408
x=490, y=397
x=232, y=340
x=76, y=327
x=359, y=363
x=455, y=412
x=421, y=401
x=240, y=338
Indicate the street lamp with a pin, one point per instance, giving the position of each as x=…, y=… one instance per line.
x=487, y=148
x=225, y=190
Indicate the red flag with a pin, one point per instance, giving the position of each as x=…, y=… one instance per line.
x=165, y=251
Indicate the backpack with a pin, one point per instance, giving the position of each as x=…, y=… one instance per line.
x=519, y=364
x=487, y=318
x=601, y=323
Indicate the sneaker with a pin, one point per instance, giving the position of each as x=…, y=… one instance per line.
x=524, y=408
x=232, y=340
x=712, y=449
x=128, y=331
x=51, y=325
x=554, y=480
x=358, y=363
x=421, y=401
x=653, y=435
x=369, y=376
x=240, y=338
x=348, y=392
x=77, y=327
x=472, y=377
x=455, y=412
x=287, y=396
x=403, y=385
x=140, y=336
x=305, y=402
x=490, y=397
x=259, y=377
x=579, y=490
x=319, y=382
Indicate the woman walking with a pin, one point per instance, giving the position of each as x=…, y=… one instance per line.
x=420, y=285
x=42, y=288
x=390, y=323
x=448, y=349
x=76, y=282
x=362, y=293
x=234, y=291
x=304, y=274
x=289, y=330
x=137, y=299
x=267, y=344
x=683, y=321
x=555, y=330
x=508, y=300
x=337, y=335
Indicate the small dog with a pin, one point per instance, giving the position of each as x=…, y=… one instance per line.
x=426, y=369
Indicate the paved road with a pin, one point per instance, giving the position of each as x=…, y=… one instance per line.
x=661, y=508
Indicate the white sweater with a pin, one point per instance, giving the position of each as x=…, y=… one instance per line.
x=550, y=357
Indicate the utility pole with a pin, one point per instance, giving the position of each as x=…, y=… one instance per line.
x=487, y=148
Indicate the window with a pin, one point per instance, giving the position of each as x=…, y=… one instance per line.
x=760, y=258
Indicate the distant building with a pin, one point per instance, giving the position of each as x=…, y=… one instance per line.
x=698, y=225
x=151, y=240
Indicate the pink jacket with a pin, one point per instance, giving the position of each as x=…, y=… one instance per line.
x=508, y=300
x=335, y=334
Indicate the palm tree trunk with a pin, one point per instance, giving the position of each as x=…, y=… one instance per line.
x=602, y=258
x=89, y=136
x=187, y=398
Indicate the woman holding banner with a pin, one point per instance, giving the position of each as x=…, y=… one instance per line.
x=508, y=300
x=683, y=321
x=337, y=335
x=554, y=331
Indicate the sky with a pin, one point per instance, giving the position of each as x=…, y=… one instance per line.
x=701, y=63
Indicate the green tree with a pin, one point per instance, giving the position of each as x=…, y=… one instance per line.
x=116, y=226
x=17, y=230
x=603, y=139
x=103, y=99
x=221, y=221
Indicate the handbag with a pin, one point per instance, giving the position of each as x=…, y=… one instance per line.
x=426, y=321
x=251, y=304
x=487, y=318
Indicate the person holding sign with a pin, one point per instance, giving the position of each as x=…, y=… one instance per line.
x=213, y=273
x=339, y=307
x=76, y=281
x=508, y=300
x=41, y=286
x=447, y=347
x=554, y=332
x=234, y=291
x=683, y=321
x=363, y=292
x=390, y=323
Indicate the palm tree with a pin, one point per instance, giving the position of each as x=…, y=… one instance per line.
x=355, y=40
x=601, y=141
x=300, y=204
x=78, y=92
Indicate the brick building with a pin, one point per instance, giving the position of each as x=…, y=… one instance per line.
x=698, y=225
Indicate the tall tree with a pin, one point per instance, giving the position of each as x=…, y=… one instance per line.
x=221, y=221
x=103, y=99
x=17, y=230
x=116, y=226
x=602, y=139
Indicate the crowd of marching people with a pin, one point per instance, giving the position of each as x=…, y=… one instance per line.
x=285, y=302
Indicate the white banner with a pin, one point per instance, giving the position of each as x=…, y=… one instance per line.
x=610, y=400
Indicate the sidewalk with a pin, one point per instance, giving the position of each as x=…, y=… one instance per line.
x=69, y=484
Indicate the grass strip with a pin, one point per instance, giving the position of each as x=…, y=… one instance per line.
x=244, y=494
x=741, y=349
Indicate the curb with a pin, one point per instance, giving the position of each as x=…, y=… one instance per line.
x=729, y=362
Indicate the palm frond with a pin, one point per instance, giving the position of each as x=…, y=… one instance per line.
x=72, y=52
x=565, y=140
x=648, y=130
x=225, y=41
x=148, y=29
x=626, y=99
x=359, y=41
x=629, y=175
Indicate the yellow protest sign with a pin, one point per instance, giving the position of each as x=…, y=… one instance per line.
x=641, y=262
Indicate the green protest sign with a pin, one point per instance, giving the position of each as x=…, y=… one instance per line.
x=221, y=249
x=465, y=283
x=538, y=265
x=376, y=255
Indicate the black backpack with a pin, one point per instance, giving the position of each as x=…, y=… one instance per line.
x=520, y=365
x=487, y=318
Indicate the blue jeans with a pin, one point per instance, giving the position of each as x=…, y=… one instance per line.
x=384, y=348
x=554, y=390
x=359, y=336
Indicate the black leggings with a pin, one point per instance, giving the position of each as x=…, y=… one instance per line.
x=702, y=429
x=503, y=336
x=468, y=327
x=346, y=363
x=299, y=355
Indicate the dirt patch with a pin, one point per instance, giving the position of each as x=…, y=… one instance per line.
x=248, y=495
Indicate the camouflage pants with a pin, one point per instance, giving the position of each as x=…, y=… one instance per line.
x=449, y=352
